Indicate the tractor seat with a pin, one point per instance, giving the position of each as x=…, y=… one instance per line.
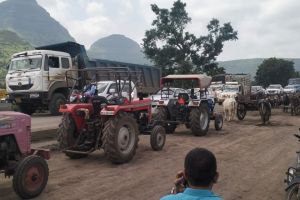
x=97, y=102
x=184, y=96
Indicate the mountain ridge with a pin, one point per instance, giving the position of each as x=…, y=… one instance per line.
x=32, y=22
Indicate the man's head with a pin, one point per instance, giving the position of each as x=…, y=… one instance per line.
x=200, y=168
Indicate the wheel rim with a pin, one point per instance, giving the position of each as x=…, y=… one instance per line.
x=203, y=119
x=34, y=178
x=125, y=139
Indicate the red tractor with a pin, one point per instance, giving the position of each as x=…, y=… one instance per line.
x=27, y=166
x=112, y=124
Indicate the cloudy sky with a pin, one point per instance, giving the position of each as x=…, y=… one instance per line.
x=265, y=28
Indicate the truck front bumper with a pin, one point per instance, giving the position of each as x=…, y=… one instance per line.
x=28, y=98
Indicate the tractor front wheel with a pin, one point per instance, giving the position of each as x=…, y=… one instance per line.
x=31, y=177
x=199, y=118
x=158, y=138
x=120, y=138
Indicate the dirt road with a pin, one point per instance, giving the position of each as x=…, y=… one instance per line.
x=252, y=161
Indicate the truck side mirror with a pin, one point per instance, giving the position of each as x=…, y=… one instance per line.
x=46, y=63
x=7, y=66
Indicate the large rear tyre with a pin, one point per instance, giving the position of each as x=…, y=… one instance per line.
x=293, y=193
x=57, y=100
x=66, y=136
x=161, y=116
x=31, y=177
x=241, y=111
x=120, y=138
x=158, y=138
x=199, y=118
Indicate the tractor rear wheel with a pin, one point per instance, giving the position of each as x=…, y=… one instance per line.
x=199, y=118
x=31, y=177
x=66, y=136
x=120, y=138
x=158, y=138
x=161, y=116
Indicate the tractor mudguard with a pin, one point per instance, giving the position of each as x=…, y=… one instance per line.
x=295, y=181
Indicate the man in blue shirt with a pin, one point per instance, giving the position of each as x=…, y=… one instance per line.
x=198, y=177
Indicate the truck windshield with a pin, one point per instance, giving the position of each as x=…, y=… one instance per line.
x=231, y=88
x=26, y=63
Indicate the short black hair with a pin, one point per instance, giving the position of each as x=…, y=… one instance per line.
x=200, y=167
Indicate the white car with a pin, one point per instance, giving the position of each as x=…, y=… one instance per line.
x=274, y=89
x=291, y=89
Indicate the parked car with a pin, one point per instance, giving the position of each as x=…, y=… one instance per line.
x=291, y=89
x=274, y=89
x=257, y=89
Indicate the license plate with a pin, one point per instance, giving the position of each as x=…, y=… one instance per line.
x=18, y=99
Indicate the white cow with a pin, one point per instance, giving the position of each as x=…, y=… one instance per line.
x=229, y=107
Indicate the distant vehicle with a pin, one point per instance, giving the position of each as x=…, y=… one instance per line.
x=289, y=89
x=274, y=89
x=231, y=90
x=294, y=81
x=257, y=89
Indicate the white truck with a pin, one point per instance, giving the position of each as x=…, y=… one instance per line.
x=36, y=78
x=234, y=85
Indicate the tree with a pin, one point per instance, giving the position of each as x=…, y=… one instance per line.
x=175, y=50
x=274, y=71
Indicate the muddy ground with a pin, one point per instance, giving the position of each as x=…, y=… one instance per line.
x=252, y=160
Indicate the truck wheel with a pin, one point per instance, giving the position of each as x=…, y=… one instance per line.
x=218, y=122
x=66, y=136
x=57, y=100
x=31, y=177
x=293, y=192
x=241, y=111
x=162, y=116
x=199, y=118
x=120, y=138
x=158, y=138
x=27, y=109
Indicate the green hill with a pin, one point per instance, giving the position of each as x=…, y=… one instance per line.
x=31, y=22
x=249, y=66
x=119, y=48
x=10, y=43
